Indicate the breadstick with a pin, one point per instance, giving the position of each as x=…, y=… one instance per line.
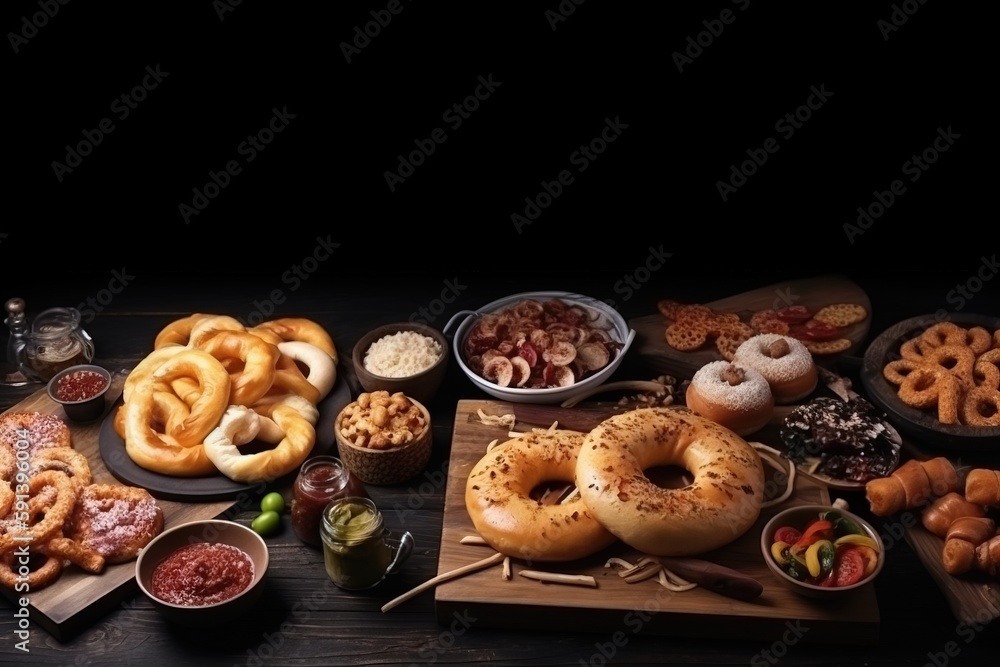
x=911, y=485
x=982, y=486
x=445, y=576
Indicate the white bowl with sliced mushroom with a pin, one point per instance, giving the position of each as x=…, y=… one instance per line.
x=540, y=347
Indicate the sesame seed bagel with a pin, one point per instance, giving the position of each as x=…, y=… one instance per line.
x=498, y=498
x=722, y=502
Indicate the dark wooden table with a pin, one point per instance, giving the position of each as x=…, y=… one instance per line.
x=302, y=619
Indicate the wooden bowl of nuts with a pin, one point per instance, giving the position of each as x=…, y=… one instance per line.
x=384, y=438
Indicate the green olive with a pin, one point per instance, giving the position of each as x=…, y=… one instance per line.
x=272, y=502
x=266, y=522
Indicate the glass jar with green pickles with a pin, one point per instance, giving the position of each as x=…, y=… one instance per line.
x=358, y=549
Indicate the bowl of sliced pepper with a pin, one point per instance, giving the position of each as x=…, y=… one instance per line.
x=822, y=551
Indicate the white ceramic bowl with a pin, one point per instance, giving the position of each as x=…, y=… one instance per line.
x=604, y=316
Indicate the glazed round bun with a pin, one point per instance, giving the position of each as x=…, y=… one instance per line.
x=738, y=398
x=497, y=496
x=785, y=363
x=721, y=504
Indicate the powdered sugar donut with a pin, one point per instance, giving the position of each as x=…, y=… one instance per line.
x=735, y=397
x=785, y=363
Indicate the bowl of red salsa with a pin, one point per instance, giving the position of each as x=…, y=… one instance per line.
x=80, y=391
x=203, y=572
x=822, y=551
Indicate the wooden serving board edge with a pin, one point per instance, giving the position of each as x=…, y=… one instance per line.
x=523, y=605
x=79, y=599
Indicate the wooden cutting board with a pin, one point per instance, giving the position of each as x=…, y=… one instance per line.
x=650, y=342
x=78, y=599
x=616, y=606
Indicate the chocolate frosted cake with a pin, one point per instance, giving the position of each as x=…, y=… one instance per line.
x=850, y=440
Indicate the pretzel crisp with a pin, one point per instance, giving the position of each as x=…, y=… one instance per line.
x=952, y=370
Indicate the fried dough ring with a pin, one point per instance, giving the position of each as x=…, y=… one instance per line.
x=268, y=465
x=178, y=332
x=55, y=514
x=64, y=459
x=979, y=340
x=258, y=360
x=914, y=349
x=955, y=359
x=981, y=407
x=920, y=387
x=116, y=521
x=8, y=464
x=896, y=371
x=37, y=579
x=986, y=372
x=68, y=549
x=7, y=498
x=301, y=329
x=943, y=333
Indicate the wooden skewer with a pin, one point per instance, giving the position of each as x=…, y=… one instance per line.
x=445, y=576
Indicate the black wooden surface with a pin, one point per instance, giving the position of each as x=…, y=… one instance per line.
x=302, y=619
x=310, y=225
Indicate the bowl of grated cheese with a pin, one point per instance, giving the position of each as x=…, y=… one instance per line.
x=406, y=357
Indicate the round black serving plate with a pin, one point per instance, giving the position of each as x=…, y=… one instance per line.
x=922, y=425
x=215, y=487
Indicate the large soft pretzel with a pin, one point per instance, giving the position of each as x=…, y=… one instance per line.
x=241, y=423
x=301, y=329
x=256, y=362
x=203, y=365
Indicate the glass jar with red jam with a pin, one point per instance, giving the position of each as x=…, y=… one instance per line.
x=321, y=479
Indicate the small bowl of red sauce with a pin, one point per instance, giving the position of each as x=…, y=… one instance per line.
x=203, y=572
x=80, y=391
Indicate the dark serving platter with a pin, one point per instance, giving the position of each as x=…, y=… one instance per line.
x=214, y=487
x=922, y=425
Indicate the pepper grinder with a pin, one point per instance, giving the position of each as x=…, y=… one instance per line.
x=18, y=325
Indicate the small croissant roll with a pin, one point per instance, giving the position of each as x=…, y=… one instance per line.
x=982, y=486
x=964, y=537
x=988, y=556
x=940, y=514
x=911, y=485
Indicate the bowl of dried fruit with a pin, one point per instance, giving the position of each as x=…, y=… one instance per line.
x=540, y=347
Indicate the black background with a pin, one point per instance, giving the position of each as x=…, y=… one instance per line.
x=654, y=188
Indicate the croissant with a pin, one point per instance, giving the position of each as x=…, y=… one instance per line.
x=982, y=486
x=911, y=485
x=964, y=537
x=940, y=514
x=988, y=556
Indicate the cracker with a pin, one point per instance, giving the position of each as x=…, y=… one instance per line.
x=767, y=321
x=834, y=346
x=841, y=314
x=683, y=336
